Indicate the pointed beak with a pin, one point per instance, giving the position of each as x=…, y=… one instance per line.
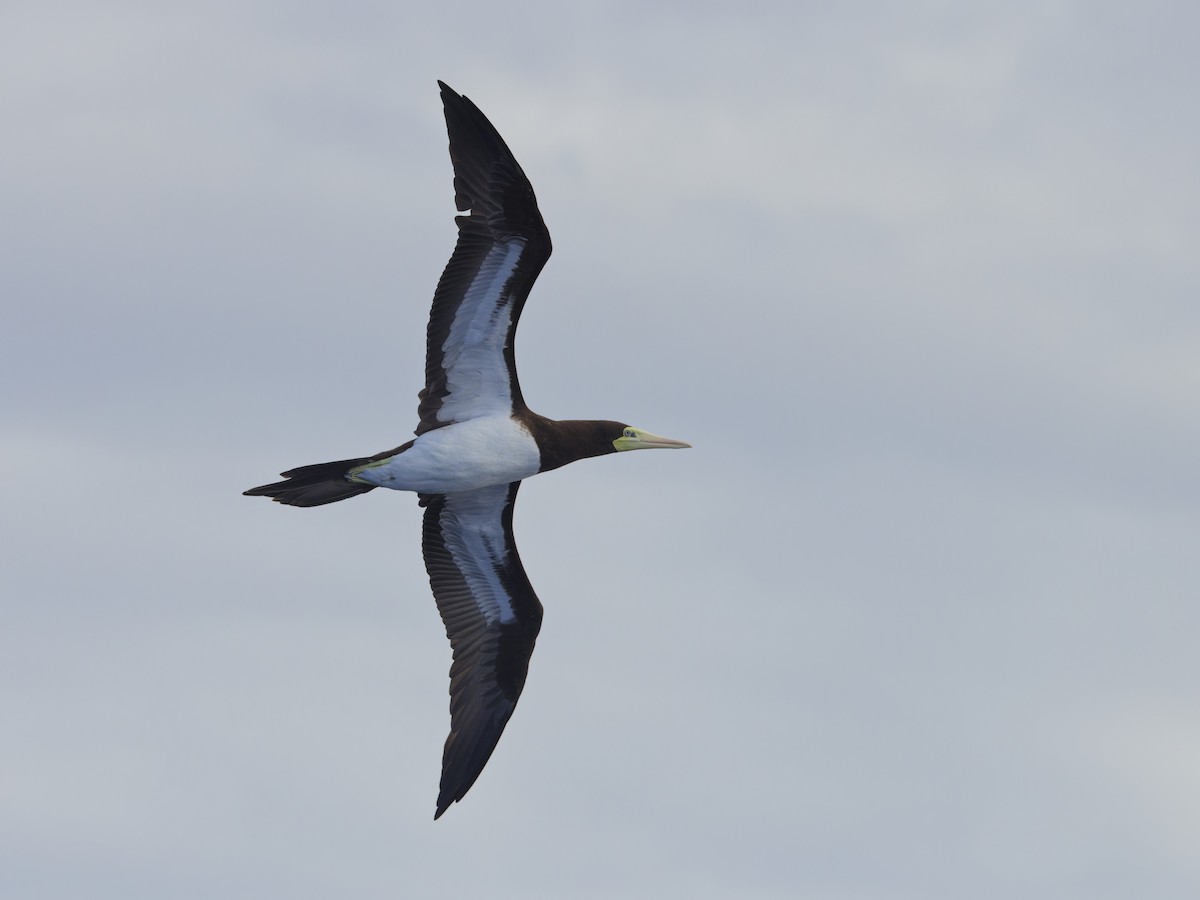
x=644, y=440
x=650, y=441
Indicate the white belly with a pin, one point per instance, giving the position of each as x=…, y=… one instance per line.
x=459, y=457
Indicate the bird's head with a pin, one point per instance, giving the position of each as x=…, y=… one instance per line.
x=567, y=440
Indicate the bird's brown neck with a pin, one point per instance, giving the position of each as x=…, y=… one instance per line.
x=565, y=441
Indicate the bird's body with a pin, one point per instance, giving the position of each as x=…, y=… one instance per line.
x=471, y=454
x=476, y=442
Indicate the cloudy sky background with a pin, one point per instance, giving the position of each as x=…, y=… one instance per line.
x=917, y=618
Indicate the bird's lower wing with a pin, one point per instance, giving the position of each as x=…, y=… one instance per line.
x=492, y=617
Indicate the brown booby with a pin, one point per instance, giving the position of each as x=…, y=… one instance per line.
x=476, y=442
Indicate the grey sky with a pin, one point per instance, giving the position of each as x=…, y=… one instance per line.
x=915, y=619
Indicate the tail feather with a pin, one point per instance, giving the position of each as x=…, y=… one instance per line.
x=314, y=485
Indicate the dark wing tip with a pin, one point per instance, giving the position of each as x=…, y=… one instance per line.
x=466, y=754
x=488, y=180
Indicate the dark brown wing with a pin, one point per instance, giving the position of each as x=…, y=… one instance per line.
x=502, y=246
x=492, y=617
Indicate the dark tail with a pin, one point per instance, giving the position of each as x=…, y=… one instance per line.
x=315, y=485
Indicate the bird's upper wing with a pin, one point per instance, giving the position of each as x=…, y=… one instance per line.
x=492, y=617
x=502, y=246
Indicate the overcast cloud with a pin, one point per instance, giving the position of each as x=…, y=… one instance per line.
x=917, y=618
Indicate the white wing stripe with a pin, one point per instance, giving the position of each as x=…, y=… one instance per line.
x=476, y=542
x=477, y=378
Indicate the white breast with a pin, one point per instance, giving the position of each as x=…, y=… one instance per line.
x=460, y=457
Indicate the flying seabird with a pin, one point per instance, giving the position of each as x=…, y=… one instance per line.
x=476, y=441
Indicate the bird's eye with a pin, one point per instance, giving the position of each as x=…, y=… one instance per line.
x=629, y=432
